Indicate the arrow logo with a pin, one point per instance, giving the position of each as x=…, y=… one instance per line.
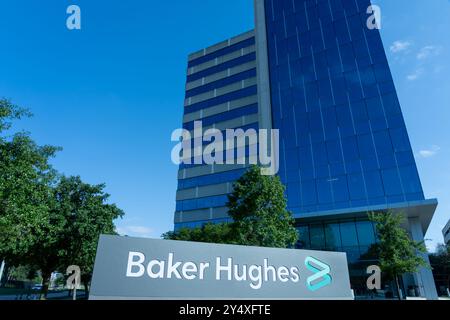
x=321, y=271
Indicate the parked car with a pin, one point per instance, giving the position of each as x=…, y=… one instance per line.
x=37, y=286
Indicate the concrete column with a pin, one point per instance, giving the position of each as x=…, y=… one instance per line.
x=424, y=277
x=262, y=67
x=263, y=81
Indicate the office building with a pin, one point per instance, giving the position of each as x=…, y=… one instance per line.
x=314, y=70
x=446, y=233
x=221, y=91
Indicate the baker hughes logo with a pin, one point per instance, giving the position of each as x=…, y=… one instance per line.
x=322, y=274
x=226, y=269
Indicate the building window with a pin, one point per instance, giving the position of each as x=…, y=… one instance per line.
x=317, y=236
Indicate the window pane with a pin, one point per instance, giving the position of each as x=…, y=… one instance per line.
x=340, y=189
x=293, y=194
x=375, y=108
x=365, y=146
x=400, y=139
x=352, y=254
x=320, y=154
x=350, y=147
x=333, y=236
x=374, y=184
x=305, y=158
x=391, y=181
x=366, y=234
x=359, y=110
x=309, y=196
x=356, y=186
x=324, y=191
x=410, y=179
x=317, y=236
x=334, y=151
x=344, y=118
x=303, y=237
x=383, y=143
x=348, y=234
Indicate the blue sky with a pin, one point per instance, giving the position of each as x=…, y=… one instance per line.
x=112, y=93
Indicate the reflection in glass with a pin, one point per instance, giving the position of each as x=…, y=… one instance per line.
x=303, y=237
x=333, y=237
x=366, y=235
x=317, y=236
x=348, y=234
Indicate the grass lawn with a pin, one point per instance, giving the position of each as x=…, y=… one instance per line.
x=53, y=294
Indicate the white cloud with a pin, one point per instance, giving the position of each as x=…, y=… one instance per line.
x=399, y=46
x=137, y=231
x=415, y=75
x=428, y=51
x=428, y=153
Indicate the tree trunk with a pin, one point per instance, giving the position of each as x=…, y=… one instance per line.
x=399, y=291
x=86, y=288
x=45, y=284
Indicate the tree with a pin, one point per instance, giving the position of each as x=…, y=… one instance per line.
x=258, y=208
x=24, y=273
x=79, y=215
x=88, y=216
x=440, y=262
x=210, y=233
x=26, y=178
x=46, y=221
x=396, y=251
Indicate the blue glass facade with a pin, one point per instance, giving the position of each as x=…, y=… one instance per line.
x=343, y=142
x=344, y=147
x=323, y=80
x=353, y=236
x=343, y=139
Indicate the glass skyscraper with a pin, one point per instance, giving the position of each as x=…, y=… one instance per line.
x=314, y=70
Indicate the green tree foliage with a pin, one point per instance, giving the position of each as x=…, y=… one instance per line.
x=397, y=252
x=87, y=215
x=210, y=233
x=24, y=273
x=25, y=185
x=440, y=261
x=79, y=214
x=258, y=208
x=47, y=221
